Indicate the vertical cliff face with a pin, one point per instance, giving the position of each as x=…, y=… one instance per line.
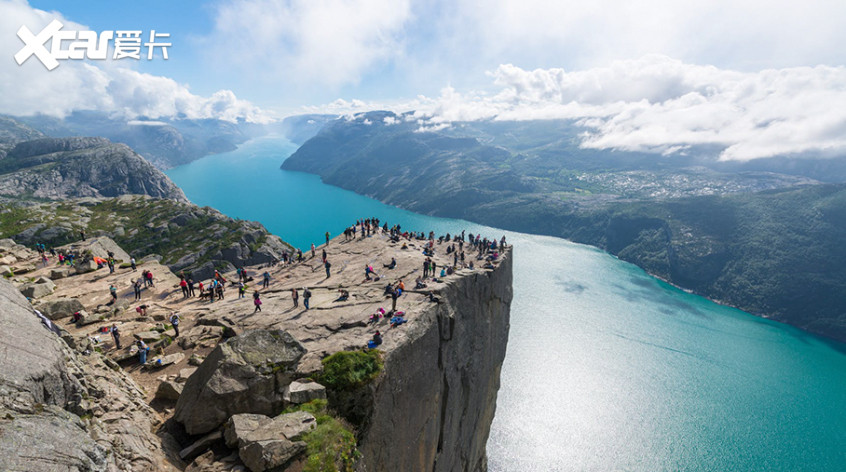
x=433, y=407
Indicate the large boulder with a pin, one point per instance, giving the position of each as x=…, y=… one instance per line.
x=271, y=455
x=99, y=247
x=246, y=374
x=60, y=273
x=240, y=425
x=168, y=391
x=37, y=290
x=302, y=392
x=61, y=308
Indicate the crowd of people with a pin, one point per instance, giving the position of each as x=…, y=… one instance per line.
x=461, y=250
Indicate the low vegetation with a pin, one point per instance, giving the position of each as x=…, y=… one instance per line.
x=348, y=370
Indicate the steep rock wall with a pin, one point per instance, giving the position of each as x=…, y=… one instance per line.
x=433, y=407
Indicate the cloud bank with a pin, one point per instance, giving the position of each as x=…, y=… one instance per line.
x=658, y=104
x=76, y=85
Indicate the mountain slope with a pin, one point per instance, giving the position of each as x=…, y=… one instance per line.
x=80, y=167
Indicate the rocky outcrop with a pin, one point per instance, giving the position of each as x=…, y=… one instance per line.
x=196, y=240
x=60, y=410
x=247, y=374
x=432, y=409
x=58, y=168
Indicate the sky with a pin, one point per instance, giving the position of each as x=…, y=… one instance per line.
x=757, y=78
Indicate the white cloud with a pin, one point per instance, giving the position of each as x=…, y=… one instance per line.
x=324, y=42
x=100, y=85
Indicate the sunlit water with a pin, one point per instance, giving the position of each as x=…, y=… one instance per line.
x=607, y=368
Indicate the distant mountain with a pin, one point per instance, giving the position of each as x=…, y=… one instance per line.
x=165, y=143
x=58, y=168
x=742, y=233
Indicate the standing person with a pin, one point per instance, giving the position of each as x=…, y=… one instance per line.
x=136, y=286
x=327, y=265
x=394, y=296
x=432, y=266
x=184, y=286
x=295, y=296
x=266, y=279
x=324, y=256
x=257, y=302
x=327, y=238
x=191, y=287
x=174, y=321
x=242, y=289
x=132, y=264
x=113, y=293
x=142, y=351
x=150, y=278
x=116, y=335
x=111, y=262
x=426, y=268
x=306, y=296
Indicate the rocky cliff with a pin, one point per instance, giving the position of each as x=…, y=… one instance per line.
x=179, y=234
x=57, y=168
x=433, y=408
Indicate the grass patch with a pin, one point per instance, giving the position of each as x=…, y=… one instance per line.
x=331, y=445
x=348, y=370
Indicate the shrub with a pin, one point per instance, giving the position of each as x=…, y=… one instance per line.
x=348, y=370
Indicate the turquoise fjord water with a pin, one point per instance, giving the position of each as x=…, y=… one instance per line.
x=607, y=369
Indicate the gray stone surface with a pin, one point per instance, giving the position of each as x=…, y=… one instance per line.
x=246, y=374
x=53, y=440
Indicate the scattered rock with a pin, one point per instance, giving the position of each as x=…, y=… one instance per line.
x=263, y=456
x=246, y=374
x=299, y=392
x=185, y=373
x=22, y=268
x=149, y=336
x=196, y=360
x=240, y=425
x=203, y=463
x=169, y=391
x=85, y=267
x=59, y=273
x=290, y=426
x=201, y=445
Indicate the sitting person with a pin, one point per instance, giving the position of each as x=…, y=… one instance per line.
x=418, y=283
x=392, y=264
x=433, y=298
x=77, y=316
x=344, y=296
x=375, y=341
x=404, y=246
